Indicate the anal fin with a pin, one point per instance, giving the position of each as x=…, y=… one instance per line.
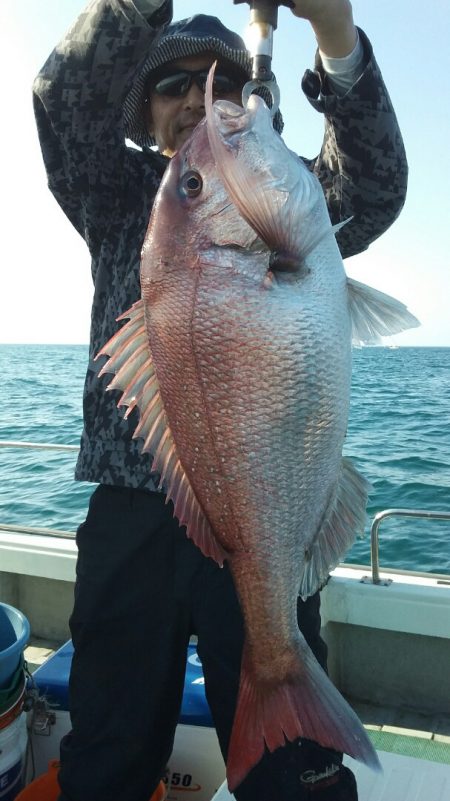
x=343, y=521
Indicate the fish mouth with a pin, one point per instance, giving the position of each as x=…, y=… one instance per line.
x=228, y=128
x=264, y=179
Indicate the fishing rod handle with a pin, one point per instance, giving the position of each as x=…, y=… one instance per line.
x=265, y=11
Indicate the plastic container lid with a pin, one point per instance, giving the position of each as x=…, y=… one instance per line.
x=14, y=634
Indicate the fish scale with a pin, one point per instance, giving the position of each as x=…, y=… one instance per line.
x=249, y=370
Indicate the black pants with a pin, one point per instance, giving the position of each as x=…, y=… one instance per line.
x=142, y=589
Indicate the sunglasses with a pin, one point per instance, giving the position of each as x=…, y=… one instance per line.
x=178, y=82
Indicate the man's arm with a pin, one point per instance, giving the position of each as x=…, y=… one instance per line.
x=362, y=165
x=332, y=23
x=78, y=98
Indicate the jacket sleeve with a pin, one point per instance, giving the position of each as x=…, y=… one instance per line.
x=362, y=165
x=78, y=97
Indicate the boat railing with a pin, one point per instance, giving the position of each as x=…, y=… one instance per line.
x=374, y=532
x=48, y=446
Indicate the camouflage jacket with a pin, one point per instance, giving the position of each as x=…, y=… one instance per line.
x=107, y=189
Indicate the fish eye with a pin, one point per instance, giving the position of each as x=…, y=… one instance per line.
x=191, y=183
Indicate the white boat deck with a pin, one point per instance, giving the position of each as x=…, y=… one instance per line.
x=407, y=721
x=389, y=641
x=390, y=628
x=403, y=779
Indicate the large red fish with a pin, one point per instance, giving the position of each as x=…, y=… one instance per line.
x=238, y=357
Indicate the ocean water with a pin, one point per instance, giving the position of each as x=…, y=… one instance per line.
x=398, y=436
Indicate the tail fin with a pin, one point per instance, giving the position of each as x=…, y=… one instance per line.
x=309, y=707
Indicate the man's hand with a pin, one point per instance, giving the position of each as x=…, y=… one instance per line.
x=332, y=22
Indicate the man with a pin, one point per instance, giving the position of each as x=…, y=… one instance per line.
x=142, y=587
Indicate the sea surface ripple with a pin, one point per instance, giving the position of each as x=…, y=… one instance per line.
x=398, y=437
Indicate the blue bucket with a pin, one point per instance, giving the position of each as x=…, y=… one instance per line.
x=14, y=634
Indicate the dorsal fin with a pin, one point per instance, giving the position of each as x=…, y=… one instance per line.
x=131, y=362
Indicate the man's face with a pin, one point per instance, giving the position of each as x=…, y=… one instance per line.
x=171, y=119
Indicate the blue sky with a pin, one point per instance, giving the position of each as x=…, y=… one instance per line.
x=46, y=287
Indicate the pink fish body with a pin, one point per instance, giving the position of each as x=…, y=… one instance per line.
x=238, y=357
